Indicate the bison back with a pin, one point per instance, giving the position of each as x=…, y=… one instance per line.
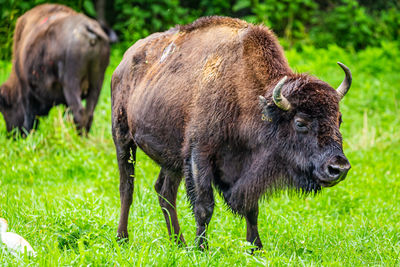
x=171, y=80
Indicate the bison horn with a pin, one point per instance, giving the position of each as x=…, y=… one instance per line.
x=278, y=98
x=345, y=85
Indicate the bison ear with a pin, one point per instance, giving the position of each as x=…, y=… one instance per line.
x=265, y=109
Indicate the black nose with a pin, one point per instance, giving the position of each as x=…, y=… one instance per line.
x=337, y=168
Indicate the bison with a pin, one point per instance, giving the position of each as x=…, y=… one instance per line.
x=216, y=102
x=59, y=57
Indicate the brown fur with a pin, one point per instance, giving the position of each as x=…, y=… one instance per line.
x=188, y=98
x=59, y=57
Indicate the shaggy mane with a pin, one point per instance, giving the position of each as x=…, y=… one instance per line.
x=211, y=21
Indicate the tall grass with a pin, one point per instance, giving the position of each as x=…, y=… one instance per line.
x=60, y=191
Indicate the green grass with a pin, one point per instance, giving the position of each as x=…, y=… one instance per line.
x=60, y=191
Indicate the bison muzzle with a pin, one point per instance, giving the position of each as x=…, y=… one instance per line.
x=216, y=102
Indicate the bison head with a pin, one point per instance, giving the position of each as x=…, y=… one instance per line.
x=12, y=108
x=304, y=130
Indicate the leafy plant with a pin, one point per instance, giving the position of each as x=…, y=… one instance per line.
x=348, y=23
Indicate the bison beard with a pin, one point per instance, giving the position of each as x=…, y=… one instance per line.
x=216, y=102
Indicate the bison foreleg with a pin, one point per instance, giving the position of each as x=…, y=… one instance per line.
x=202, y=196
x=91, y=103
x=72, y=94
x=252, y=228
x=96, y=81
x=167, y=188
x=245, y=203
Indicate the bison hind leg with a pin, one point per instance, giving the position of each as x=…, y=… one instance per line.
x=126, y=155
x=167, y=188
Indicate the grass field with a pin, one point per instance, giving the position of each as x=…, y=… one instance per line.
x=60, y=191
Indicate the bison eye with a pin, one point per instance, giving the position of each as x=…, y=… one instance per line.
x=301, y=125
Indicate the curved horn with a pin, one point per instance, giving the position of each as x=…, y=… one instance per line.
x=345, y=85
x=278, y=98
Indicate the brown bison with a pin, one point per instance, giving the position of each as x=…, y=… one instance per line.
x=59, y=57
x=216, y=101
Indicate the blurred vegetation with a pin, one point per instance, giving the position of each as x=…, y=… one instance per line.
x=353, y=24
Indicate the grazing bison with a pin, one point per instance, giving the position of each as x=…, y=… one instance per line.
x=59, y=57
x=216, y=101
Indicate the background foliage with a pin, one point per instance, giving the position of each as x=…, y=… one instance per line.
x=348, y=23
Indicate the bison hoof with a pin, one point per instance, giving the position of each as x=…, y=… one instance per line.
x=122, y=237
x=202, y=245
x=179, y=240
x=256, y=249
